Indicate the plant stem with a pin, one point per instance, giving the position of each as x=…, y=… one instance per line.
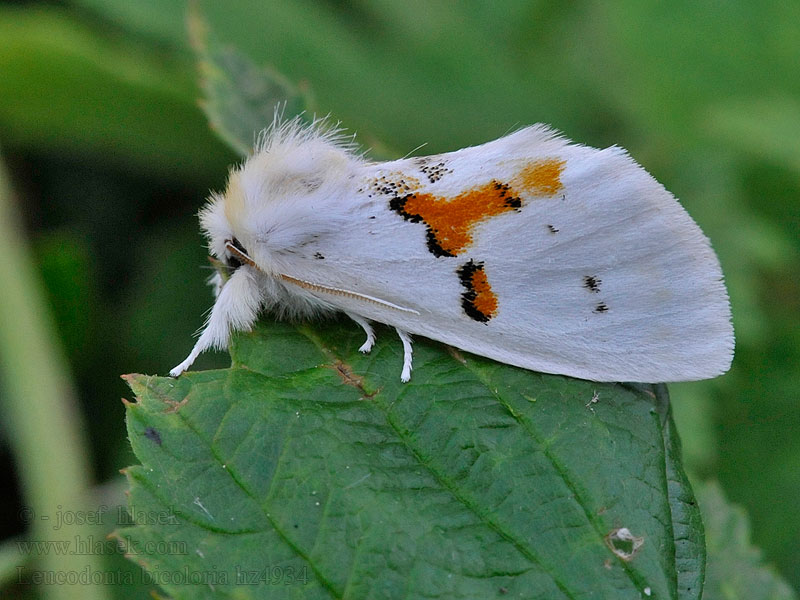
x=45, y=430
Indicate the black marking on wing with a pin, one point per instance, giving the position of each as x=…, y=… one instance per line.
x=592, y=283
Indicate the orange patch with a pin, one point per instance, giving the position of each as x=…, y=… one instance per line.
x=478, y=301
x=450, y=221
x=542, y=177
x=485, y=300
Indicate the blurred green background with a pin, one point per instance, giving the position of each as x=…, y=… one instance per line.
x=109, y=157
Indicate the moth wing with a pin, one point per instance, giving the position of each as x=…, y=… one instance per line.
x=535, y=252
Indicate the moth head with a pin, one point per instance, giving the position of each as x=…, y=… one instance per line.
x=273, y=205
x=228, y=222
x=223, y=240
x=273, y=201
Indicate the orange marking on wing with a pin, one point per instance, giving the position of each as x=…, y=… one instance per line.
x=450, y=221
x=543, y=177
x=478, y=300
x=485, y=301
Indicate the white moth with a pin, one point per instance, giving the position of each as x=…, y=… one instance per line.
x=529, y=250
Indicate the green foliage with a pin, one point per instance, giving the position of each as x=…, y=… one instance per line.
x=483, y=459
x=311, y=466
x=111, y=158
x=38, y=415
x=307, y=457
x=736, y=569
x=69, y=89
x=240, y=98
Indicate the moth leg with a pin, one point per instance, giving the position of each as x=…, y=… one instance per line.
x=236, y=309
x=407, y=352
x=366, y=346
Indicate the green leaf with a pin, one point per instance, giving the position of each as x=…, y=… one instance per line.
x=310, y=466
x=736, y=569
x=765, y=128
x=241, y=98
x=311, y=470
x=107, y=97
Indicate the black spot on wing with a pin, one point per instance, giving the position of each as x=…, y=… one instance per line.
x=387, y=186
x=505, y=194
x=434, y=172
x=592, y=283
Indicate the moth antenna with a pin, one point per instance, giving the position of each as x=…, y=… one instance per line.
x=316, y=287
x=420, y=147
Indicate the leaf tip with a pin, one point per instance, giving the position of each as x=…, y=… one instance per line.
x=136, y=381
x=196, y=26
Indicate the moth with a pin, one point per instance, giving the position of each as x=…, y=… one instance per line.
x=530, y=250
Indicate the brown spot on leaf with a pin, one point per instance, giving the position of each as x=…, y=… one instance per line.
x=174, y=406
x=623, y=543
x=349, y=377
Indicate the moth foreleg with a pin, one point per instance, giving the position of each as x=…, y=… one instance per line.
x=366, y=346
x=405, y=376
